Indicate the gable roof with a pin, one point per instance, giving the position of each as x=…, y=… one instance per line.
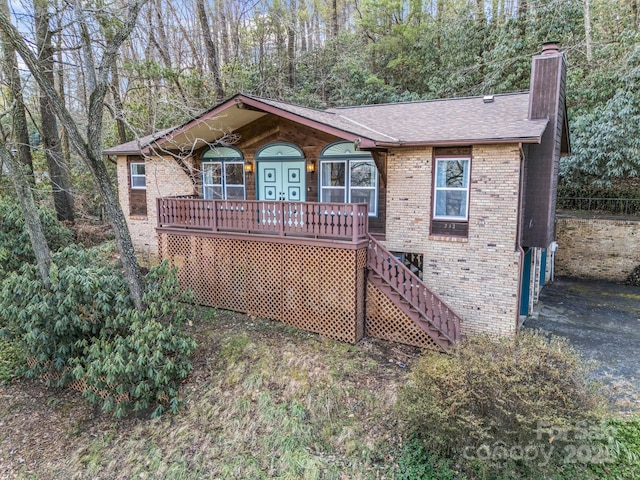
x=455, y=121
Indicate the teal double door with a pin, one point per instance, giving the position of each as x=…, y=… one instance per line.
x=282, y=181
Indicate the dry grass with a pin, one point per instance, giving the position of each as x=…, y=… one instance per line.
x=263, y=401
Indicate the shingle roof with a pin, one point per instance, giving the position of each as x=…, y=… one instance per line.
x=134, y=147
x=451, y=121
x=463, y=120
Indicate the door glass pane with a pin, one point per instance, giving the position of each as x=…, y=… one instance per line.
x=234, y=173
x=333, y=174
x=363, y=174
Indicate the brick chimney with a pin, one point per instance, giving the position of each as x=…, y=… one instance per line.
x=546, y=101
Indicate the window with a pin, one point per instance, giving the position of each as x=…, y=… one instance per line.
x=223, y=174
x=138, y=179
x=348, y=176
x=137, y=187
x=451, y=188
x=451, y=196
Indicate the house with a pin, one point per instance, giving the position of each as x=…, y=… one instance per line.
x=417, y=222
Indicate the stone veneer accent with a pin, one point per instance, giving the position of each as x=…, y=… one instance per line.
x=164, y=178
x=597, y=248
x=478, y=277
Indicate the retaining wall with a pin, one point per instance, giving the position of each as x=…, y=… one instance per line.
x=597, y=248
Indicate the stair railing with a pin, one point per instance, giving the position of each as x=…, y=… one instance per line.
x=413, y=291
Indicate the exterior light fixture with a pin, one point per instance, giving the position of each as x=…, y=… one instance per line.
x=248, y=166
x=311, y=166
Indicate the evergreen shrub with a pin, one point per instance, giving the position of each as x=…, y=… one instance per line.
x=15, y=245
x=416, y=463
x=492, y=398
x=86, y=329
x=11, y=360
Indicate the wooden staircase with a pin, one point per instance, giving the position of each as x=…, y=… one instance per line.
x=413, y=297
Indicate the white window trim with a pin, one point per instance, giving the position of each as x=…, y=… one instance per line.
x=223, y=176
x=347, y=186
x=437, y=189
x=137, y=175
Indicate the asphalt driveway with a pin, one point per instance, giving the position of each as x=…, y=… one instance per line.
x=602, y=320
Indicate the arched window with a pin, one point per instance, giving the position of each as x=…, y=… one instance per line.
x=223, y=174
x=279, y=151
x=348, y=175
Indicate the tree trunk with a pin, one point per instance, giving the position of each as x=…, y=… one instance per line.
x=480, y=16
x=64, y=138
x=19, y=118
x=58, y=171
x=224, y=30
x=334, y=19
x=587, y=33
x=163, y=49
x=291, y=57
x=29, y=212
x=210, y=46
x=117, y=101
x=91, y=150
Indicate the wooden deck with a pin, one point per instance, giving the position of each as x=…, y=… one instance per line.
x=311, y=265
x=326, y=221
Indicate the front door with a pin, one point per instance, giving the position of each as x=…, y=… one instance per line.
x=281, y=181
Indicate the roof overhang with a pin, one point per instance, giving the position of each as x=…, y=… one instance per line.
x=219, y=124
x=458, y=142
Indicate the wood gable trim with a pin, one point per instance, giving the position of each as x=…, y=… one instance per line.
x=380, y=159
x=343, y=134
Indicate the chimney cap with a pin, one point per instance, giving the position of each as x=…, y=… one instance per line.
x=550, y=48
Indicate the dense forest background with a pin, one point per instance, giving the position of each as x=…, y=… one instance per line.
x=184, y=56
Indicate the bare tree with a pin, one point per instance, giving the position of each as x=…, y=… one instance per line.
x=58, y=170
x=89, y=146
x=212, y=51
x=29, y=211
x=19, y=117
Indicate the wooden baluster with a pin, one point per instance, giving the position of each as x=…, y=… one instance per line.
x=281, y=217
x=215, y=215
x=354, y=224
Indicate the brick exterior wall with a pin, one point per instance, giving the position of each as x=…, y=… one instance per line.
x=478, y=276
x=597, y=248
x=164, y=178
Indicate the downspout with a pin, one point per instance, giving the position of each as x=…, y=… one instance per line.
x=519, y=236
x=553, y=247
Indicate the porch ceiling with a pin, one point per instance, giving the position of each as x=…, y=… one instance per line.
x=209, y=129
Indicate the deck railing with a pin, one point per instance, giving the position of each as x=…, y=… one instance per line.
x=338, y=221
